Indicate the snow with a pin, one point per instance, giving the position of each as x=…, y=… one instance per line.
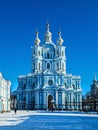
x=44, y=120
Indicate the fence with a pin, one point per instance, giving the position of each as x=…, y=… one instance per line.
x=90, y=106
x=81, y=106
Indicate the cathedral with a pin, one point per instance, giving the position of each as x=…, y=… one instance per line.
x=48, y=84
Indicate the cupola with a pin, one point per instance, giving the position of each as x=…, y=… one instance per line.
x=48, y=34
x=37, y=40
x=59, y=40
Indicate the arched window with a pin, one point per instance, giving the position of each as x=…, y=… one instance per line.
x=48, y=65
x=33, y=65
x=50, y=82
x=24, y=98
x=62, y=66
x=62, y=53
x=57, y=53
x=33, y=85
x=24, y=86
x=33, y=51
x=57, y=66
x=39, y=66
x=39, y=53
x=48, y=55
x=73, y=86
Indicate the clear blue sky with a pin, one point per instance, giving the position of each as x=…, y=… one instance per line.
x=77, y=20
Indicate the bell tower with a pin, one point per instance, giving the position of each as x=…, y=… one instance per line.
x=60, y=55
x=36, y=56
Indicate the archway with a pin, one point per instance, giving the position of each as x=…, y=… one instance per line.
x=50, y=98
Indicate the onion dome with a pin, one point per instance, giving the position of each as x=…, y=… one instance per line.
x=59, y=40
x=37, y=40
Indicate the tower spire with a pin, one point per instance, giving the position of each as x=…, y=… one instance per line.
x=47, y=27
x=37, y=40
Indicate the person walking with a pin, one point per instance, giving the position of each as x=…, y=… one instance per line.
x=15, y=110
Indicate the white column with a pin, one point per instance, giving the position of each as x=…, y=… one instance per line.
x=38, y=80
x=56, y=99
x=37, y=65
x=44, y=100
x=8, y=105
x=69, y=100
x=36, y=100
x=59, y=65
x=72, y=104
x=64, y=65
x=63, y=100
x=54, y=65
x=80, y=101
x=77, y=102
x=51, y=65
x=27, y=98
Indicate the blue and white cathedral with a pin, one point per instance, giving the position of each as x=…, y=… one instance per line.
x=48, y=83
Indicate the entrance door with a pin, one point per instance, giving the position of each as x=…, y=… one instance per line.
x=50, y=98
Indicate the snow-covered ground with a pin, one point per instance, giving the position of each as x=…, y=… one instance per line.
x=43, y=120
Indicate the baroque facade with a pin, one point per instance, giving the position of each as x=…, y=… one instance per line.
x=4, y=94
x=48, y=83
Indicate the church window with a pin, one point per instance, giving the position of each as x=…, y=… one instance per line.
x=57, y=66
x=73, y=86
x=48, y=65
x=65, y=85
x=47, y=39
x=62, y=66
x=60, y=98
x=53, y=54
x=48, y=55
x=33, y=85
x=24, y=86
x=24, y=98
x=39, y=53
x=33, y=51
x=50, y=82
x=74, y=104
x=39, y=66
x=76, y=84
x=57, y=53
x=62, y=53
x=29, y=82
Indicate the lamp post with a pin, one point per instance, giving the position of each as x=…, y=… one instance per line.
x=9, y=105
x=2, y=106
x=96, y=105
